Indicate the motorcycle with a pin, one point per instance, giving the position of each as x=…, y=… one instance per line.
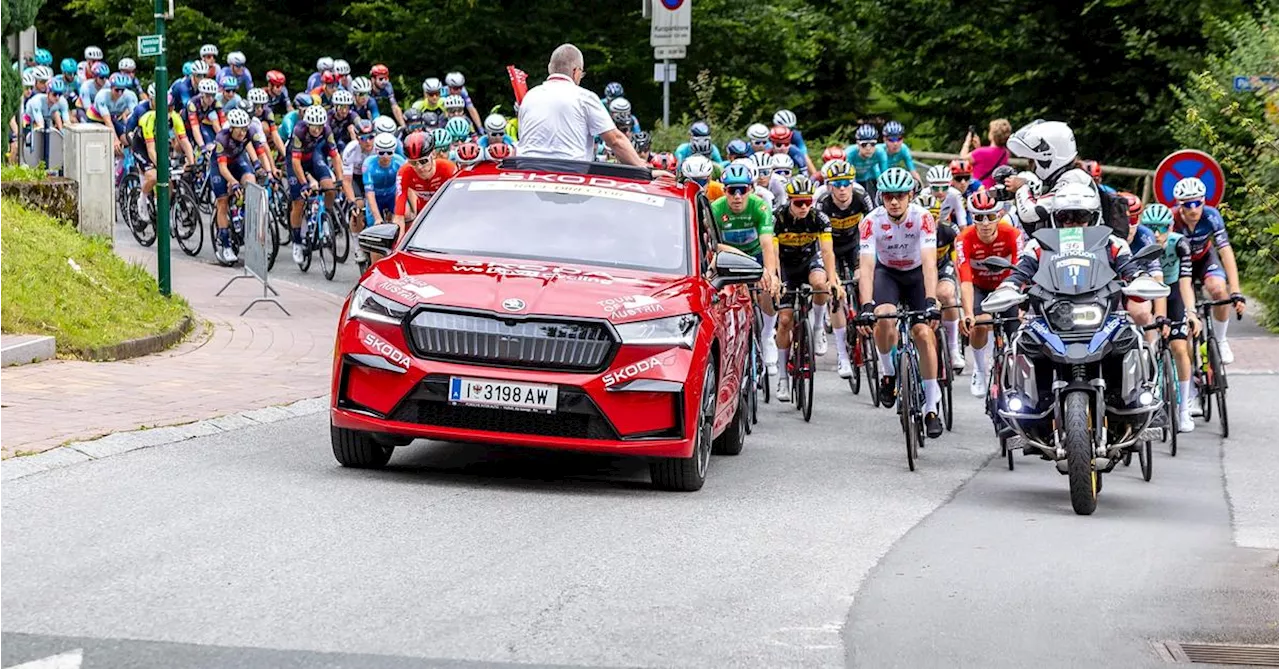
x=1078, y=385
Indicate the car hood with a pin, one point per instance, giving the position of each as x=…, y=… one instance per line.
x=533, y=287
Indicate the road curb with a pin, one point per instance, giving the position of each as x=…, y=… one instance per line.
x=135, y=348
x=123, y=442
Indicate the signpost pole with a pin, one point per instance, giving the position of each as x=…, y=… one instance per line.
x=666, y=92
x=161, y=107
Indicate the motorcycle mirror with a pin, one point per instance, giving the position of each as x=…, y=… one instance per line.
x=994, y=263
x=1148, y=252
x=1002, y=299
x=1144, y=287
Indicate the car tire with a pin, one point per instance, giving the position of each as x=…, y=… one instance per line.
x=734, y=436
x=358, y=449
x=688, y=474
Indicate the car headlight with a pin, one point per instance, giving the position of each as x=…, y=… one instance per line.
x=671, y=331
x=370, y=306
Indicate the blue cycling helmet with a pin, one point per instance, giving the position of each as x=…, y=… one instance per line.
x=302, y=100
x=43, y=57
x=459, y=128
x=441, y=137
x=895, y=180
x=613, y=90
x=229, y=83
x=187, y=69
x=736, y=175
x=69, y=66
x=893, y=129
x=865, y=133
x=58, y=86
x=737, y=148
x=121, y=81
x=101, y=69
x=700, y=129
x=364, y=126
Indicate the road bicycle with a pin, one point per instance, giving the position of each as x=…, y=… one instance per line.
x=800, y=361
x=1208, y=372
x=946, y=374
x=317, y=234
x=910, y=391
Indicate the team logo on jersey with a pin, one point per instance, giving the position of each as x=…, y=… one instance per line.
x=926, y=223
x=725, y=218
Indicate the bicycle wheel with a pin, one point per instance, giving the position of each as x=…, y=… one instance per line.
x=1144, y=459
x=907, y=390
x=799, y=336
x=280, y=214
x=185, y=220
x=854, y=343
x=751, y=381
x=1170, y=385
x=325, y=247
x=341, y=232
x=807, y=372
x=1218, y=383
x=273, y=242
x=871, y=366
x=945, y=374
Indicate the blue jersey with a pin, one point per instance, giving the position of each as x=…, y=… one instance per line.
x=287, y=123
x=797, y=139
x=89, y=92
x=315, y=81
x=867, y=169
x=304, y=145
x=901, y=159
x=280, y=103
x=379, y=179
x=1210, y=231
x=684, y=151
x=385, y=92
x=180, y=93
x=141, y=108
x=133, y=83
x=1143, y=236
x=369, y=111
x=245, y=78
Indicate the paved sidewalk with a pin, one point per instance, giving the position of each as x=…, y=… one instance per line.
x=229, y=364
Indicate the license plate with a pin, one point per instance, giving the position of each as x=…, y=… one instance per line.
x=503, y=394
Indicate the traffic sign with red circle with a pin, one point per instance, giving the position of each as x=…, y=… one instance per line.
x=1189, y=163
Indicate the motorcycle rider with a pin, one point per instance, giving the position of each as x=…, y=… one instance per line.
x=1051, y=148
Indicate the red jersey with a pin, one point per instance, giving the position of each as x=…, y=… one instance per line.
x=407, y=180
x=969, y=248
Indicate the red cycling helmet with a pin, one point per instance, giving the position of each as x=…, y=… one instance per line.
x=418, y=145
x=832, y=153
x=1093, y=167
x=500, y=151
x=275, y=77
x=780, y=134
x=961, y=168
x=663, y=161
x=468, y=152
x=1135, y=206
x=379, y=70
x=328, y=78
x=981, y=202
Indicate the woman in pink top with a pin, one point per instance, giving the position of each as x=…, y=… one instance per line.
x=986, y=159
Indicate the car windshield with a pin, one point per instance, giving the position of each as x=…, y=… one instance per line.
x=573, y=223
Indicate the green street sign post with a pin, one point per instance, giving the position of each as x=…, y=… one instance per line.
x=153, y=46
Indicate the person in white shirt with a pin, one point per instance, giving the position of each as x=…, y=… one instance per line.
x=560, y=119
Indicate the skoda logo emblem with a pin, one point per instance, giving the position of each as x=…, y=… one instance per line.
x=513, y=304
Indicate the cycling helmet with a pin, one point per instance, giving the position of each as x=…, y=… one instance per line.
x=455, y=80
x=126, y=65
x=257, y=96
x=342, y=97
x=454, y=102
x=361, y=85
x=384, y=124
x=780, y=134
x=28, y=78
x=69, y=66
x=384, y=141
x=44, y=57
x=495, y=123
x=301, y=100
x=865, y=133
x=781, y=161
x=960, y=167
x=379, y=70
x=1049, y=144
x=430, y=85
x=459, y=128
x=737, y=148
x=230, y=83
x=698, y=168
x=613, y=90
x=210, y=87
x=315, y=115
x=1075, y=205
x=938, y=175
x=1189, y=188
x=927, y=200
x=208, y=50
x=235, y=58
x=893, y=129
x=238, y=118
x=364, y=126
x=623, y=122
x=757, y=132
x=832, y=153
x=641, y=141
x=499, y=151
x=341, y=67
x=328, y=78
x=981, y=202
x=1157, y=217
x=785, y=117
x=119, y=81
x=193, y=68
x=430, y=119
x=762, y=163
x=620, y=106
x=412, y=117
x=324, y=64
x=59, y=86
x=799, y=186
x=1093, y=168
x=275, y=77
x=663, y=161
x=700, y=145
x=838, y=169
x=151, y=88
x=101, y=70
x=418, y=145
x=700, y=129
x=469, y=153
x=441, y=137
x=42, y=73
x=736, y=174
x=94, y=53
x=1134, y=206
x=895, y=180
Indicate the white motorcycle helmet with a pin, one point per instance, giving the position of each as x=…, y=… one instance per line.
x=1076, y=205
x=1050, y=145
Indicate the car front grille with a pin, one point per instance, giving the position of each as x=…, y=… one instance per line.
x=530, y=343
x=577, y=417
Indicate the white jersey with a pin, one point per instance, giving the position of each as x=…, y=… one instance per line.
x=766, y=195
x=353, y=159
x=899, y=244
x=953, y=212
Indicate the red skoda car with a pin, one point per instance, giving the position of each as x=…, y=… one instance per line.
x=551, y=304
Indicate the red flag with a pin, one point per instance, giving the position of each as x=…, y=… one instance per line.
x=519, y=82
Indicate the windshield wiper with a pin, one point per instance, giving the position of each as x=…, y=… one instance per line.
x=423, y=249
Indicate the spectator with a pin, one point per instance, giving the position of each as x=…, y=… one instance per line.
x=560, y=119
x=986, y=159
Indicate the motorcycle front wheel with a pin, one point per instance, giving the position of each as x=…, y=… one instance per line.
x=1077, y=439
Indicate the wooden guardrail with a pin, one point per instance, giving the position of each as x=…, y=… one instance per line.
x=1147, y=176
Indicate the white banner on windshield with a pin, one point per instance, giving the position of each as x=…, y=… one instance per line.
x=566, y=189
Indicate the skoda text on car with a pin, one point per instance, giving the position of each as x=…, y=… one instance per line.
x=551, y=304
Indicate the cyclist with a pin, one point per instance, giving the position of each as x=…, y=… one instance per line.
x=1214, y=261
x=495, y=131
x=442, y=139
x=342, y=70
x=379, y=174
x=139, y=109
x=459, y=130
x=844, y=205
x=991, y=235
x=71, y=87
x=89, y=88
x=787, y=119
x=185, y=88
x=699, y=142
x=316, y=79
x=323, y=94
x=758, y=137
x=783, y=169
x=469, y=154
x=698, y=169
x=111, y=107
x=209, y=56
x=342, y=120
x=235, y=68
x=457, y=85
x=229, y=169
x=762, y=170
x=642, y=142
x=365, y=106
x=805, y=255
x=1139, y=236
x=499, y=152
x=867, y=158
x=962, y=180
x=663, y=161
x=260, y=102
x=128, y=68
x=620, y=110
x=310, y=143
x=85, y=69
x=1176, y=272
x=736, y=149
x=780, y=136
x=229, y=99
x=420, y=177
x=896, y=151
x=899, y=253
x=277, y=93
x=455, y=107
x=144, y=151
x=50, y=109
x=746, y=223
x=949, y=202
x=612, y=91
x=300, y=103
x=431, y=100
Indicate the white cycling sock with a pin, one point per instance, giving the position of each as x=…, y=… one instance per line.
x=886, y=364
x=953, y=333
x=932, y=393
x=782, y=360
x=980, y=357
x=767, y=324
x=1220, y=330
x=842, y=350
x=1184, y=395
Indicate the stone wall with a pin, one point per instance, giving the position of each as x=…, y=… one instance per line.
x=56, y=196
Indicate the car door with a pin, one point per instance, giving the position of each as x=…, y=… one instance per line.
x=723, y=313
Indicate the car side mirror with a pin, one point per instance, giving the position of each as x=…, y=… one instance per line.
x=993, y=263
x=732, y=268
x=380, y=239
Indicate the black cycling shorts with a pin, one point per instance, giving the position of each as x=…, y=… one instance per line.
x=794, y=276
x=894, y=286
x=947, y=272
x=1177, y=314
x=1010, y=326
x=1209, y=265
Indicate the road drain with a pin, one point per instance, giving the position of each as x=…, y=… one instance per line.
x=1219, y=653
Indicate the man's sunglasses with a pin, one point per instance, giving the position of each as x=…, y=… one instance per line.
x=781, y=146
x=962, y=177
x=938, y=188
x=421, y=162
x=497, y=135
x=365, y=138
x=840, y=183
x=986, y=218
x=802, y=201
x=737, y=190
x=782, y=172
x=387, y=153
x=892, y=139
x=1193, y=204
x=866, y=144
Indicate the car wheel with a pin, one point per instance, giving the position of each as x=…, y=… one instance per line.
x=688, y=474
x=735, y=435
x=358, y=449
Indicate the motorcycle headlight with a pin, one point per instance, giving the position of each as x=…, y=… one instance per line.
x=370, y=306
x=1062, y=315
x=671, y=331
x=1086, y=315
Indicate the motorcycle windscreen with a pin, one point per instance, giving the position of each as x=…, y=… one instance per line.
x=1074, y=261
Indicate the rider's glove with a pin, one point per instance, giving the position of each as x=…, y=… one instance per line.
x=867, y=316
x=931, y=310
x=1163, y=321
x=1238, y=297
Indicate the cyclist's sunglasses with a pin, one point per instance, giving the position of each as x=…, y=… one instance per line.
x=840, y=183
x=759, y=142
x=433, y=93
x=782, y=146
x=387, y=153
x=365, y=138
x=421, y=162
x=891, y=138
x=1157, y=228
x=1193, y=204
x=986, y=218
x=802, y=201
x=737, y=190
x=782, y=172
x=961, y=177
x=497, y=135
x=866, y=144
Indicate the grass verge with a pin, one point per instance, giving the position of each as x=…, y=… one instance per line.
x=74, y=288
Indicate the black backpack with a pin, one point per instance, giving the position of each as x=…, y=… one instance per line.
x=1115, y=213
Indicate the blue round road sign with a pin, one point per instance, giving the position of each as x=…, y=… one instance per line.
x=1189, y=163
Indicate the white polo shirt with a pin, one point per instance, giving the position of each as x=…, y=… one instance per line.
x=559, y=119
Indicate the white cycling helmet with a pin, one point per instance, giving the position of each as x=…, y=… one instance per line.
x=257, y=96
x=1076, y=204
x=29, y=77
x=430, y=84
x=92, y=53
x=324, y=64
x=235, y=58
x=1050, y=145
x=697, y=167
x=781, y=161
x=495, y=123
x=315, y=115
x=757, y=132
x=208, y=87
x=343, y=97
x=127, y=65
x=208, y=50
x=151, y=90
x=785, y=117
x=761, y=163
x=384, y=123
x=454, y=102
x=384, y=141
x=455, y=80
x=341, y=67
x=238, y=118
x=42, y=73
x=927, y=200
x=938, y=175
x=1189, y=188
x=620, y=106
x=361, y=86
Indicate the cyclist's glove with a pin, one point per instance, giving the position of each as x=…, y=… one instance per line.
x=1163, y=321
x=1238, y=297
x=868, y=314
x=931, y=310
